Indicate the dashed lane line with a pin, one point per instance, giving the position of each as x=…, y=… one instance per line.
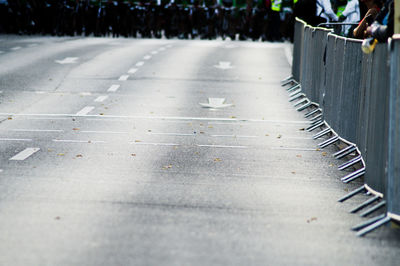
x=123, y=77
x=9, y=139
x=146, y=57
x=78, y=141
x=37, y=130
x=15, y=48
x=113, y=88
x=222, y=146
x=140, y=63
x=101, y=98
x=86, y=110
x=154, y=52
x=132, y=70
x=24, y=154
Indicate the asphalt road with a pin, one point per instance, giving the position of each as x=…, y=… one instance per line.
x=107, y=157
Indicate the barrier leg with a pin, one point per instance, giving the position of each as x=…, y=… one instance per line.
x=364, y=204
x=367, y=223
x=374, y=226
x=300, y=102
x=322, y=133
x=313, y=112
x=344, y=152
x=315, y=126
x=352, y=162
x=287, y=81
x=317, y=117
x=373, y=208
x=328, y=142
x=351, y=177
x=351, y=194
x=294, y=93
x=295, y=87
x=306, y=105
x=297, y=96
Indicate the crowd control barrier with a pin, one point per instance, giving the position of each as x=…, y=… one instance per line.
x=347, y=95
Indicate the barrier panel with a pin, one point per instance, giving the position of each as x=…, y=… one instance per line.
x=393, y=188
x=378, y=121
x=297, y=48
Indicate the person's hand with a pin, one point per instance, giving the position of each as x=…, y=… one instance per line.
x=342, y=18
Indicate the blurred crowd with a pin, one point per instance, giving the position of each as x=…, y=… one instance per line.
x=268, y=20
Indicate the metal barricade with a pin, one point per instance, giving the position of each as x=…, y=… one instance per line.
x=297, y=48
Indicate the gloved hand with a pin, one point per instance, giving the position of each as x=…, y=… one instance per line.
x=342, y=18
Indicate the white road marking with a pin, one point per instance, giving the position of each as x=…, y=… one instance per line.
x=161, y=49
x=215, y=103
x=154, y=52
x=224, y=65
x=40, y=92
x=146, y=57
x=113, y=88
x=37, y=130
x=233, y=136
x=104, y=132
x=85, y=110
x=78, y=141
x=293, y=149
x=123, y=77
x=24, y=154
x=1, y=170
x=222, y=146
x=132, y=70
x=16, y=48
x=171, y=134
x=140, y=63
x=8, y=139
x=67, y=60
x=101, y=98
x=154, y=144
x=85, y=93
x=32, y=45
x=234, y=121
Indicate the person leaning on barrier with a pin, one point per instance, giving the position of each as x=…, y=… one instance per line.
x=373, y=7
x=324, y=10
x=349, y=13
x=382, y=28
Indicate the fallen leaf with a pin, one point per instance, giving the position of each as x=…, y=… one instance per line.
x=10, y=118
x=324, y=153
x=138, y=140
x=57, y=218
x=79, y=155
x=201, y=132
x=101, y=114
x=266, y=135
x=149, y=130
x=133, y=154
x=298, y=156
x=302, y=129
x=49, y=150
x=331, y=164
x=210, y=127
x=217, y=160
x=167, y=167
x=317, y=149
x=293, y=172
x=232, y=116
x=312, y=219
x=60, y=154
x=75, y=128
x=279, y=136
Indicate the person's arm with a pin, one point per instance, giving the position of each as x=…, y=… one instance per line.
x=326, y=4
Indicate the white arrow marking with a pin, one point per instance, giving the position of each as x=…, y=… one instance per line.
x=67, y=60
x=224, y=65
x=24, y=154
x=123, y=77
x=85, y=110
x=215, y=103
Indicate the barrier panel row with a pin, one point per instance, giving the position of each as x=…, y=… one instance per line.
x=346, y=93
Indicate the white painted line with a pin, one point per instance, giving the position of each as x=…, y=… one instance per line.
x=67, y=60
x=113, y=88
x=85, y=110
x=146, y=57
x=37, y=130
x=171, y=134
x=154, y=52
x=123, y=77
x=132, y=70
x=101, y=98
x=140, y=63
x=16, y=48
x=1, y=170
x=104, y=132
x=24, y=154
x=78, y=141
x=222, y=146
x=1, y=52
x=154, y=144
x=233, y=136
x=32, y=45
x=85, y=93
x=161, y=49
x=7, y=139
x=224, y=65
x=1, y=91
x=40, y=92
x=293, y=149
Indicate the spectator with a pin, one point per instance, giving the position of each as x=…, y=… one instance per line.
x=373, y=7
x=324, y=10
x=350, y=14
x=382, y=28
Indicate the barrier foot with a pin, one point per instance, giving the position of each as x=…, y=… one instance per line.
x=350, y=177
x=374, y=226
x=351, y=194
x=364, y=204
x=374, y=208
x=317, y=117
x=287, y=81
x=294, y=93
x=312, y=112
x=300, y=102
x=346, y=151
x=352, y=162
x=328, y=142
x=313, y=127
x=322, y=133
x=368, y=222
x=301, y=108
x=294, y=87
x=295, y=97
